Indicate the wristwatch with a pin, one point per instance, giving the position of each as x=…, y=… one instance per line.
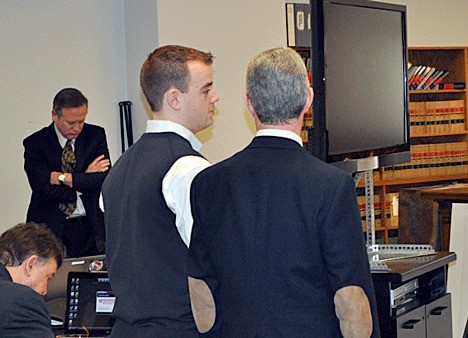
x=61, y=178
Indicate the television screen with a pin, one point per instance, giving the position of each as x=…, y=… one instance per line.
x=362, y=74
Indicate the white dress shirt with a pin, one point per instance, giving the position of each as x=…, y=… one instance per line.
x=280, y=133
x=177, y=181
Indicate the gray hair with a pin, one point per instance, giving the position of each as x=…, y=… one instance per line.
x=277, y=85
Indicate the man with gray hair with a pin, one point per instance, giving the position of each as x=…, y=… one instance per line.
x=277, y=247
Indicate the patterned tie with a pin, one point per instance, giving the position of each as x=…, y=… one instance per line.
x=68, y=164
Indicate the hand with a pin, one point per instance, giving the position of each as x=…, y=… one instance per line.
x=100, y=164
x=54, y=177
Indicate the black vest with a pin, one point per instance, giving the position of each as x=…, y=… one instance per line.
x=145, y=253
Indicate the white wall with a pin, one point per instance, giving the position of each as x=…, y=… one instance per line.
x=99, y=46
x=234, y=31
x=44, y=47
x=436, y=23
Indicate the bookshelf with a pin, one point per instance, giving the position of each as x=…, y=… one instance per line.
x=439, y=138
x=438, y=130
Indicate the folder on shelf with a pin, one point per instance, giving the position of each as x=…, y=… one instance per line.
x=298, y=24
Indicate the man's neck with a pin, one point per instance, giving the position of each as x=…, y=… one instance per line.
x=293, y=125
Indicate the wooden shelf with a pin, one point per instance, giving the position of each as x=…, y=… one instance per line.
x=454, y=133
x=438, y=91
x=422, y=180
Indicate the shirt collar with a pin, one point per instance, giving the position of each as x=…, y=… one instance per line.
x=165, y=126
x=280, y=133
x=62, y=140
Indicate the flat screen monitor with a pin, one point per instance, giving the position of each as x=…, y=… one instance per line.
x=359, y=54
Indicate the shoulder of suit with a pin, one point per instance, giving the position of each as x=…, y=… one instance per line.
x=21, y=292
x=91, y=129
x=90, y=126
x=40, y=134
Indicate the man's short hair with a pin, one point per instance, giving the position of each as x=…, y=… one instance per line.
x=166, y=67
x=27, y=239
x=68, y=98
x=277, y=85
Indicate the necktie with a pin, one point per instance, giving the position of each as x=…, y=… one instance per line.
x=68, y=164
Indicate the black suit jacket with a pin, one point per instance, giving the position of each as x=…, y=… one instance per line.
x=276, y=233
x=23, y=312
x=42, y=155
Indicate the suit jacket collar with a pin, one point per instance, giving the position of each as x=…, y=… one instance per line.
x=274, y=142
x=4, y=274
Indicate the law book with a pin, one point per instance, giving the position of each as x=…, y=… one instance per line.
x=432, y=78
x=435, y=84
x=425, y=160
x=431, y=116
x=426, y=77
x=416, y=161
x=418, y=121
x=443, y=108
x=411, y=70
x=414, y=118
x=420, y=77
x=452, y=85
x=457, y=115
x=391, y=206
x=290, y=24
x=415, y=76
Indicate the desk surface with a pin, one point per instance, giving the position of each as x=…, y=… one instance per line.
x=454, y=192
x=404, y=269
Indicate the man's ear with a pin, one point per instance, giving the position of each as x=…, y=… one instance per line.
x=172, y=98
x=310, y=99
x=29, y=264
x=54, y=115
x=250, y=107
x=252, y=111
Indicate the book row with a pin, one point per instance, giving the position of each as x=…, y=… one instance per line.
x=422, y=77
x=438, y=159
x=390, y=213
x=436, y=117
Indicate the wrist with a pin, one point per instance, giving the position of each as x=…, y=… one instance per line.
x=61, y=178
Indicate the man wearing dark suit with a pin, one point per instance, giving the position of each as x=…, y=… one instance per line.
x=66, y=164
x=30, y=255
x=277, y=239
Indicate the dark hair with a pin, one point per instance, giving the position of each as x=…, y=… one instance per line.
x=68, y=98
x=166, y=67
x=27, y=239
